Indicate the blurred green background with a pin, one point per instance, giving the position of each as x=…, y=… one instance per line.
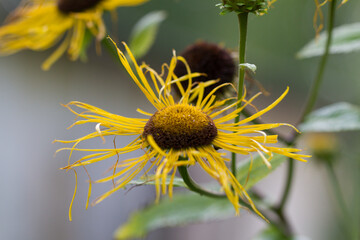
x=35, y=194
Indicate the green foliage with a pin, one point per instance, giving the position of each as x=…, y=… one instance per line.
x=334, y=118
x=346, y=39
x=258, y=170
x=144, y=33
x=194, y=208
x=109, y=45
x=182, y=209
x=271, y=233
x=85, y=45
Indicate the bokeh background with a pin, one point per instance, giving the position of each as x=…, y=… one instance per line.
x=35, y=194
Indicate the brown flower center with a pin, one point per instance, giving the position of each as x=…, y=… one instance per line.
x=68, y=6
x=211, y=59
x=180, y=127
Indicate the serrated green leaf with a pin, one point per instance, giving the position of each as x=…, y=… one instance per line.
x=346, y=39
x=144, y=33
x=178, y=182
x=334, y=118
x=258, y=171
x=182, y=209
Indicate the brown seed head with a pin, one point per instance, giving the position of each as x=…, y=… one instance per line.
x=68, y=6
x=208, y=58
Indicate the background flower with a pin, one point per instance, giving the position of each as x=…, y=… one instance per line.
x=39, y=25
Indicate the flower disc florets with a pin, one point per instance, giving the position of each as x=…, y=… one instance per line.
x=181, y=127
x=68, y=6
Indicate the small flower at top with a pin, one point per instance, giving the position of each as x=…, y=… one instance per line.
x=40, y=24
x=177, y=134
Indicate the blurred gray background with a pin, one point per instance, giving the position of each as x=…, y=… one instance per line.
x=35, y=194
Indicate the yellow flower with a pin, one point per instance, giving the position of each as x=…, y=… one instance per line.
x=40, y=24
x=176, y=131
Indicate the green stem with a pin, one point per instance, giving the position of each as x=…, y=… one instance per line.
x=319, y=76
x=310, y=104
x=193, y=186
x=243, y=22
x=286, y=192
x=281, y=223
x=339, y=197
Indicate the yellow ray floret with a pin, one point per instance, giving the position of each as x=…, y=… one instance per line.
x=177, y=134
x=39, y=25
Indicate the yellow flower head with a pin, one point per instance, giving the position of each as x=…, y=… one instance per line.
x=176, y=131
x=40, y=24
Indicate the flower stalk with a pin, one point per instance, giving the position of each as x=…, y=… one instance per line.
x=320, y=72
x=243, y=21
x=347, y=223
x=310, y=103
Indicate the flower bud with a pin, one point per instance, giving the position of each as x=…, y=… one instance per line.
x=324, y=146
x=258, y=7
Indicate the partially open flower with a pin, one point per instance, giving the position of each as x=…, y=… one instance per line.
x=211, y=59
x=40, y=24
x=177, y=131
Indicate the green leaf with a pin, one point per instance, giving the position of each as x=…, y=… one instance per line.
x=109, y=45
x=182, y=209
x=346, y=38
x=144, y=33
x=178, y=182
x=194, y=208
x=258, y=171
x=271, y=233
x=334, y=118
x=85, y=45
